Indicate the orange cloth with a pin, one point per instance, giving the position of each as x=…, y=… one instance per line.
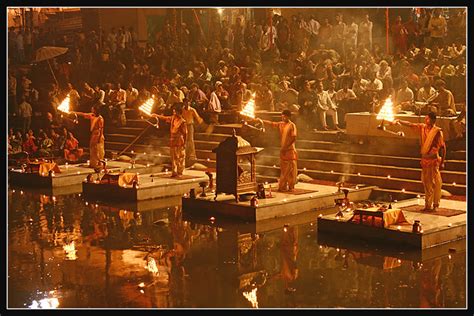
x=393, y=216
x=288, y=137
x=45, y=167
x=127, y=178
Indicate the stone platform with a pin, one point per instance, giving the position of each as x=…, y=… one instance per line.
x=72, y=174
x=364, y=124
x=150, y=186
x=437, y=229
x=280, y=205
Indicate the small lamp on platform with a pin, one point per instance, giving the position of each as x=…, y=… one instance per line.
x=89, y=178
x=417, y=227
x=254, y=201
x=211, y=180
x=203, y=185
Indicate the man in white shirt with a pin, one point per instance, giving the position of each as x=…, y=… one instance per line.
x=351, y=34
x=131, y=95
x=404, y=97
x=325, y=106
x=373, y=88
x=314, y=26
x=25, y=111
x=426, y=93
x=345, y=99
x=365, y=32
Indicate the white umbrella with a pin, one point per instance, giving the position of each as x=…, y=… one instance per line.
x=47, y=53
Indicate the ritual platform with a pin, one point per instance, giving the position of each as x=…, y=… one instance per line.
x=306, y=197
x=52, y=175
x=394, y=226
x=121, y=187
x=364, y=124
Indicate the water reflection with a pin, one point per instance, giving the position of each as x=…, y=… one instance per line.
x=159, y=259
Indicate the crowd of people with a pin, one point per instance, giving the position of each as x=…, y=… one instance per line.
x=313, y=68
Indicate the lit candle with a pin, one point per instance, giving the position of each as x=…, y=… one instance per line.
x=450, y=224
x=320, y=215
x=141, y=284
x=87, y=203
x=449, y=257
x=399, y=227
x=358, y=173
x=388, y=177
x=332, y=171
x=403, y=190
x=304, y=168
x=212, y=218
x=454, y=183
x=78, y=172
x=132, y=152
x=21, y=192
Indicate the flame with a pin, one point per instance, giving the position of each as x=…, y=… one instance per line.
x=252, y=297
x=386, y=112
x=70, y=250
x=64, y=106
x=249, y=108
x=151, y=266
x=45, y=303
x=147, y=106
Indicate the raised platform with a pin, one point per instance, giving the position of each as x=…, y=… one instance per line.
x=313, y=197
x=437, y=229
x=364, y=124
x=150, y=186
x=72, y=174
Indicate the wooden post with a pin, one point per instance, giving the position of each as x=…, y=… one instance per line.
x=387, y=27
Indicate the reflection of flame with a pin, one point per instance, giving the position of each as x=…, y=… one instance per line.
x=151, y=266
x=249, y=108
x=252, y=297
x=147, y=106
x=64, y=106
x=70, y=250
x=45, y=303
x=386, y=112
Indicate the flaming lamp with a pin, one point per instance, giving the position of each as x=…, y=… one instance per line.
x=146, y=108
x=386, y=114
x=64, y=108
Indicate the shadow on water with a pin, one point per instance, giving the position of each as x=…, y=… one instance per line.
x=66, y=252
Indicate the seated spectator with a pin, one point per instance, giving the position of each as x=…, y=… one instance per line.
x=59, y=141
x=286, y=98
x=325, y=106
x=426, y=93
x=14, y=142
x=132, y=95
x=345, y=99
x=45, y=145
x=72, y=152
x=444, y=101
x=404, y=98
x=29, y=143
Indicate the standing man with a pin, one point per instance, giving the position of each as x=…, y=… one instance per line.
x=432, y=141
x=97, y=139
x=288, y=154
x=365, y=33
x=178, y=135
x=191, y=116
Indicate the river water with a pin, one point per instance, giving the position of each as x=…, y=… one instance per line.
x=65, y=252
